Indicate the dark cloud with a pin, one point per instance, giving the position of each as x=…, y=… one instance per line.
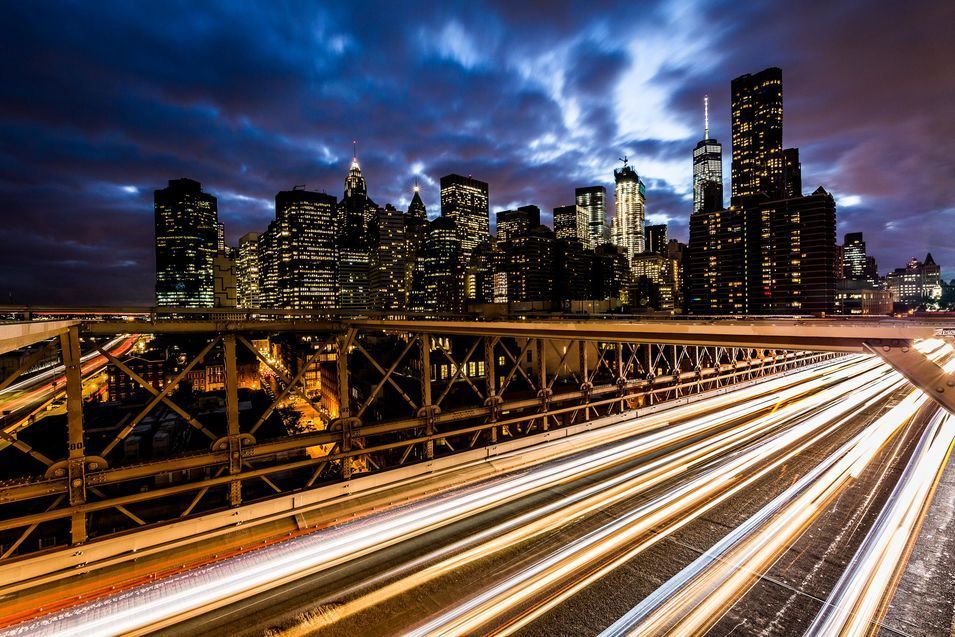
x=101, y=104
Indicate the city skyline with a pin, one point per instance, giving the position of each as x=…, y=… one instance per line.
x=77, y=191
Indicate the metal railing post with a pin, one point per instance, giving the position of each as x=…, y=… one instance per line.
x=232, y=417
x=70, y=345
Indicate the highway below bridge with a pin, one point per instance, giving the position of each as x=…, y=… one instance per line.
x=783, y=508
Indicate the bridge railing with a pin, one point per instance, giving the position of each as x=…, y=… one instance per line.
x=291, y=402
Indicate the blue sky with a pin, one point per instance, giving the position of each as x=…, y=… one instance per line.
x=103, y=102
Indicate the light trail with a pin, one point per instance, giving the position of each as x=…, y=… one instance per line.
x=694, y=599
x=33, y=395
x=715, y=449
x=572, y=567
x=861, y=596
x=58, y=369
x=679, y=464
x=213, y=585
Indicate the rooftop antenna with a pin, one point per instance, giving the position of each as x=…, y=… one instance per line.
x=624, y=159
x=706, y=117
x=354, y=153
x=416, y=184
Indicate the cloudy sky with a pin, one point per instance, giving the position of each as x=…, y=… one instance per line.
x=102, y=102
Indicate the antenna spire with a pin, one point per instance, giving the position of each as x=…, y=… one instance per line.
x=706, y=117
x=416, y=184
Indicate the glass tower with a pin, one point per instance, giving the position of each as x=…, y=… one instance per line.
x=187, y=241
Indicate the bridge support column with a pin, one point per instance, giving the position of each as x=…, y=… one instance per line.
x=585, y=385
x=543, y=392
x=344, y=399
x=426, y=407
x=232, y=417
x=490, y=378
x=76, y=465
x=918, y=369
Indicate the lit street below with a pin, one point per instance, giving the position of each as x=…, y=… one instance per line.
x=787, y=503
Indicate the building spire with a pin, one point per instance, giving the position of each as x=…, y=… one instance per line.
x=416, y=188
x=354, y=154
x=706, y=117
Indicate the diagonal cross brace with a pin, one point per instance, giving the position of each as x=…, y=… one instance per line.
x=918, y=369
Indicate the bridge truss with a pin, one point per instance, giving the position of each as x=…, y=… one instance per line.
x=400, y=392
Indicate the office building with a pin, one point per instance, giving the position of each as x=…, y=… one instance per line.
x=757, y=128
x=857, y=265
x=792, y=174
x=707, y=166
x=417, y=208
x=464, y=200
x=531, y=256
x=655, y=238
x=573, y=271
x=593, y=199
x=388, y=275
x=441, y=257
x=247, y=271
x=858, y=297
x=187, y=241
x=514, y=223
x=918, y=284
x=630, y=210
x=572, y=222
x=298, y=252
x=416, y=227
x=479, y=274
x=774, y=257
x=355, y=212
x=660, y=271
x=611, y=274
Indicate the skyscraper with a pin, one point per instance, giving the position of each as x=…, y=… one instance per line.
x=187, y=241
x=465, y=201
x=573, y=271
x=532, y=266
x=655, y=238
x=857, y=264
x=514, y=223
x=443, y=267
x=792, y=255
x=416, y=227
x=611, y=273
x=792, y=174
x=479, y=275
x=630, y=202
x=389, y=259
x=297, y=254
x=593, y=199
x=707, y=165
x=417, y=208
x=355, y=211
x=572, y=222
x=716, y=263
x=773, y=251
x=758, y=134
x=247, y=271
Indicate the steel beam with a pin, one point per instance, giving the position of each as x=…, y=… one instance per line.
x=14, y=336
x=76, y=467
x=830, y=335
x=232, y=417
x=918, y=369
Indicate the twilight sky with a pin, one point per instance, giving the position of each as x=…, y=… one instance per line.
x=103, y=102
